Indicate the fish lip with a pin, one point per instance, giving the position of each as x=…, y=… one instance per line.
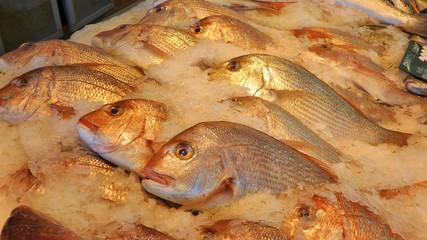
x=157, y=177
x=92, y=127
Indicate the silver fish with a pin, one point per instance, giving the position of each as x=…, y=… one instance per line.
x=416, y=87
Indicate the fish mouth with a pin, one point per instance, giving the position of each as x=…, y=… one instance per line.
x=157, y=177
x=92, y=127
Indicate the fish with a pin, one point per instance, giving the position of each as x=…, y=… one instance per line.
x=333, y=36
x=286, y=128
x=215, y=163
x=49, y=89
x=231, y=30
x=415, y=86
x=27, y=223
x=21, y=182
x=339, y=219
x=304, y=96
x=238, y=229
x=364, y=74
x=243, y=4
x=420, y=4
x=386, y=12
x=409, y=190
x=140, y=232
x=122, y=132
x=59, y=52
x=183, y=13
x=150, y=43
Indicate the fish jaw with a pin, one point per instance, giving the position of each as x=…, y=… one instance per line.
x=87, y=132
x=162, y=179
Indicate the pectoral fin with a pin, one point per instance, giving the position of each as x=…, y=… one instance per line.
x=66, y=112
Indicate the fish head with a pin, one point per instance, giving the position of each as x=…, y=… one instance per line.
x=27, y=51
x=187, y=169
x=223, y=229
x=117, y=37
x=169, y=13
x=23, y=96
x=207, y=28
x=248, y=71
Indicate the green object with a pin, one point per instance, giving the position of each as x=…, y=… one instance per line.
x=415, y=60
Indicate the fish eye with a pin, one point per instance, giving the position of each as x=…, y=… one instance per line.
x=233, y=66
x=22, y=82
x=27, y=46
x=122, y=26
x=183, y=151
x=114, y=110
x=159, y=9
x=324, y=46
x=197, y=29
x=304, y=212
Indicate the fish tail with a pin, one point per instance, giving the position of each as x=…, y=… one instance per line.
x=398, y=138
x=277, y=6
x=417, y=25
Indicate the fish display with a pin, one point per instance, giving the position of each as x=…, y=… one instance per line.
x=59, y=52
x=285, y=127
x=364, y=73
x=123, y=132
x=241, y=230
x=140, y=232
x=243, y=4
x=143, y=44
x=230, y=30
x=214, y=163
x=339, y=219
x=49, y=89
x=304, y=96
x=27, y=223
x=386, y=12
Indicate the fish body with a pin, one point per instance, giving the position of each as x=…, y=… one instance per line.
x=230, y=30
x=140, y=232
x=416, y=87
x=386, y=12
x=365, y=74
x=339, y=220
x=183, y=13
x=237, y=229
x=48, y=88
x=243, y=4
x=27, y=223
x=59, y=52
x=122, y=132
x=151, y=43
x=285, y=127
x=304, y=96
x=336, y=37
x=214, y=163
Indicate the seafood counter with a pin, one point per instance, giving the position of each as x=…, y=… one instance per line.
x=197, y=119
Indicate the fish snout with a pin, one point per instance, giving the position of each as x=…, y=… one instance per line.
x=83, y=121
x=157, y=177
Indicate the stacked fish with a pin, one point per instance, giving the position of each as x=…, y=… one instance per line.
x=277, y=130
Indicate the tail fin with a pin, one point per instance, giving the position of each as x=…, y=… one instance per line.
x=272, y=5
x=398, y=138
x=416, y=25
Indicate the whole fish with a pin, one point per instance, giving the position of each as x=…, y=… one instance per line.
x=214, y=163
x=386, y=12
x=364, y=74
x=230, y=30
x=140, y=232
x=59, y=52
x=285, y=127
x=122, y=132
x=48, y=88
x=27, y=223
x=416, y=87
x=243, y=4
x=150, y=43
x=237, y=229
x=338, y=220
x=304, y=96
x=183, y=13
x=336, y=37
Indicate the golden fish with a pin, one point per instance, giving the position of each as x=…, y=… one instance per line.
x=181, y=13
x=122, y=132
x=59, y=52
x=285, y=127
x=27, y=223
x=364, y=74
x=339, y=220
x=336, y=37
x=48, y=88
x=237, y=229
x=304, y=96
x=243, y=4
x=214, y=163
x=151, y=43
x=140, y=232
x=230, y=30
